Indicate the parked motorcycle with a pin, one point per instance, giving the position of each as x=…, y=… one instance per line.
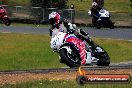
x=101, y=19
x=3, y=17
x=75, y=52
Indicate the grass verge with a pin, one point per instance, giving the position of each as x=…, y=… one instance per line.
x=32, y=51
x=63, y=84
x=111, y=5
x=18, y=2
x=32, y=25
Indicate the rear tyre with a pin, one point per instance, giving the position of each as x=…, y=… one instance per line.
x=6, y=21
x=94, y=20
x=104, y=59
x=71, y=59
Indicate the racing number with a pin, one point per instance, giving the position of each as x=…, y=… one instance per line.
x=55, y=41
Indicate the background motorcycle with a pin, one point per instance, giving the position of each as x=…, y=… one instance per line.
x=101, y=19
x=3, y=17
x=73, y=50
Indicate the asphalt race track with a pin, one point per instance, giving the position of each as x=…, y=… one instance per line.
x=127, y=65
x=117, y=33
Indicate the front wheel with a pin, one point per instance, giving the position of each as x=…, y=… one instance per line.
x=6, y=21
x=111, y=25
x=98, y=26
x=70, y=56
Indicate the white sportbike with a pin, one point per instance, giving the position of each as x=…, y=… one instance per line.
x=75, y=52
x=101, y=19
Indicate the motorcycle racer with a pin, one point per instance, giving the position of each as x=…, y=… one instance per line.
x=64, y=25
x=94, y=12
x=100, y=17
x=3, y=16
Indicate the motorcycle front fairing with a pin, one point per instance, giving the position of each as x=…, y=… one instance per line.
x=104, y=13
x=104, y=16
x=80, y=46
x=57, y=40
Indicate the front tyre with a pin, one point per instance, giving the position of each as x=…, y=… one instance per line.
x=72, y=58
x=98, y=25
x=111, y=25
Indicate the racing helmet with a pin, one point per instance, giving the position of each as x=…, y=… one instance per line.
x=54, y=18
x=2, y=9
x=94, y=4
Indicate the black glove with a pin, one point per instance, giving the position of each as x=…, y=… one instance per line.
x=83, y=32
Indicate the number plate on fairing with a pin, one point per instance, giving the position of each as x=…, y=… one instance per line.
x=57, y=40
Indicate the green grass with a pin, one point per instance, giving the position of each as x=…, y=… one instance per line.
x=83, y=15
x=32, y=51
x=32, y=25
x=119, y=50
x=19, y=51
x=63, y=84
x=18, y=2
x=111, y=5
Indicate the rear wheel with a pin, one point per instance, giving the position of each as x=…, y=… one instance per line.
x=72, y=58
x=6, y=21
x=104, y=59
x=94, y=20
